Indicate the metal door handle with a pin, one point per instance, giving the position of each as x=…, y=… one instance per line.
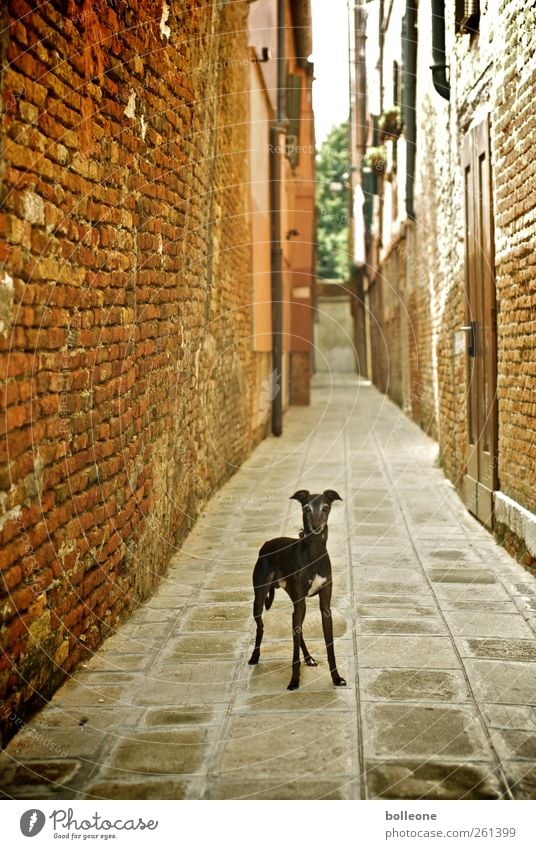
x=471, y=328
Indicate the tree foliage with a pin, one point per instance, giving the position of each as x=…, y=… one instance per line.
x=333, y=206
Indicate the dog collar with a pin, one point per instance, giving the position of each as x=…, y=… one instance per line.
x=303, y=535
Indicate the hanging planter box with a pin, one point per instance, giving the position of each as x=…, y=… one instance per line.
x=376, y=159
x=390, y=124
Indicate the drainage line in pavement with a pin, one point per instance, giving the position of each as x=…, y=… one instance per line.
x=360, y=746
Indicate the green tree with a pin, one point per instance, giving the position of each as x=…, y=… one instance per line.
x=332, y=201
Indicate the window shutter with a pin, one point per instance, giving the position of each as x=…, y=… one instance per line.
x=294, y=87
x=396, y=84
x=467, y=16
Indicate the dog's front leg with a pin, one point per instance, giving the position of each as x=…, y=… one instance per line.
x=327, y=627
x=298, y=616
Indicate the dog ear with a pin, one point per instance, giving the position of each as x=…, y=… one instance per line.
x=331, y=495
x=301, y=495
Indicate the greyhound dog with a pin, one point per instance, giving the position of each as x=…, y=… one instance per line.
x=301, y=567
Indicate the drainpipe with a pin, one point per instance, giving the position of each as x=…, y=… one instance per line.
x=439, y=67
x=410, y=123
x=277, y=129
x=381, y=42
x=361, y=75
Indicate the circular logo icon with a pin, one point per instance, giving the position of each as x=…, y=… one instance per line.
x=31, y=822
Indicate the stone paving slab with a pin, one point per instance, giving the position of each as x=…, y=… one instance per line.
x=275, y=746
x=476, y=624
x=427, y=625
x=502, y=649
x=273, y=676
x=411, y=651
x=503, y=682
x=284, y=789
x=314, y=701
x=434, y=632
x=449, y=731
x=147, y=789
x=433, y=781
x=418, y=685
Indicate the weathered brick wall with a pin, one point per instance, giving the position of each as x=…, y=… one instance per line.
x=438, y=267
x=401, y=331
x=379, y=355
x=514, y=172
x=494, y=72
x=391, y=330
x=124, y=310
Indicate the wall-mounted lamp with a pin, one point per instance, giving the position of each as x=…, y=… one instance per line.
x=264, y=57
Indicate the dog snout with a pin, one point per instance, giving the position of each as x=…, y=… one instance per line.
x=318, y=523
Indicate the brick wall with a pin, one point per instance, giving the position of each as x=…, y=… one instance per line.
x=496, y=73
x=493, y=72
x=514, y=169
x=130, y=385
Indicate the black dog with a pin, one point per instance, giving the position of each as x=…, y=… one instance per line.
x=301, y=567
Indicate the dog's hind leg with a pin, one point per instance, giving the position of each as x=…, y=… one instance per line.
x=270, y=597
x=310, y=661
x=258, y=603
x=297, y=622
x=327, y=627
x=264, y=591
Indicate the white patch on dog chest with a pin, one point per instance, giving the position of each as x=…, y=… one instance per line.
x=318, y=583
x=281, y=583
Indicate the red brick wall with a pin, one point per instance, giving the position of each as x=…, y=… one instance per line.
x=124, y=318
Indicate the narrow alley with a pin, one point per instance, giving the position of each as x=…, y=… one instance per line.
x=434, y=632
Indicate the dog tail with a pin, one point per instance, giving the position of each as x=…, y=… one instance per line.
x=268, y=601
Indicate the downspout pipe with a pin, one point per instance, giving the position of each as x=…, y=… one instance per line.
x=361, y=40
x=439, y=66
x=410, y=101
x=278, y=127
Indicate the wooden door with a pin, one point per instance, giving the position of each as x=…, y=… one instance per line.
x=480, y=327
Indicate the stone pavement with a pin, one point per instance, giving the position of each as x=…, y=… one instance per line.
x=434, y=627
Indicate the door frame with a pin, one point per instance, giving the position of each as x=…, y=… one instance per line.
x=481, y=478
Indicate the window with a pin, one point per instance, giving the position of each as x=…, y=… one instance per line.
x=467, y=16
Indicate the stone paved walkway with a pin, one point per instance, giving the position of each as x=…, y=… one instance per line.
x=434, y=626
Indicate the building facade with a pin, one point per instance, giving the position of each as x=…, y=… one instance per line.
x=294, y=147
x=447, y=166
